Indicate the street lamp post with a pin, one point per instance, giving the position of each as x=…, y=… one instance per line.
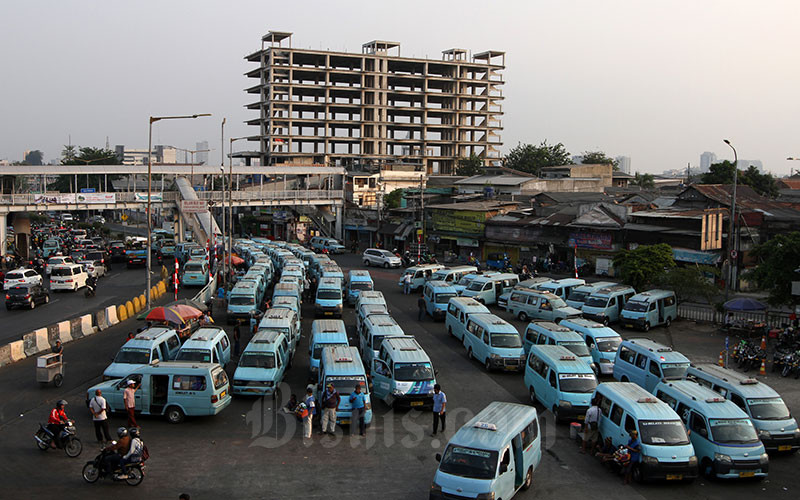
x=222, y=206
x=732, y=230
x=230, y=188
x=192, y=152
x=154, y=119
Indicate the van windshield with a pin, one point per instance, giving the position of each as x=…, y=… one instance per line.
x=636, y=306
x=133, y=356
x=576, y=347
x=557, y=303
x=242, y=301
x=663, y=432
x=768, y=409
x=220, y=377
x=506, y=340
x=577, y=382
x=444, y=298
x=346, y=384
x=360, y=285
x=465, y=281
x=58, y=271
x=413, y=372
x=193, y=268
x=328, y=294
x=608, y=344
x=674, y=370
x=578, y=296
x=318, y=348
x=257, y=360
x=469, y=462
x=475, y=286
x=198, y=355
x=601, y=302
x=733, y=431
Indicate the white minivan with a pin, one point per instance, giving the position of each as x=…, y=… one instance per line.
x=68, y=277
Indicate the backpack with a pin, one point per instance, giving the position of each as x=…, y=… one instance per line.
x=145, y=452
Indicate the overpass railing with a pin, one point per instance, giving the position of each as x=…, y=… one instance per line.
x=166, y=196
x=296, y=195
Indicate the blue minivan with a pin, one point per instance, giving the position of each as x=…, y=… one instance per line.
x=342, y=367
x=646, y=363
x=437, y=295
x=459, y=310
x=157, y=343
x=558, y=380
x=358, y=280
x=648, y=309
x=494, y=342
x=263, y=364
x=325, y=333
x=606, y=304
x=602, y=341
x=328, y=300
x=494, y=455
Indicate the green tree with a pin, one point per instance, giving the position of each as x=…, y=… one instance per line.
x=778, y=262
x=34, y=157
x=644, y=265
x=470, y=166
x=392, y=200
x=598, y=158
x=718, y=173
x=723, y=173
x=644, y=181
x=85, y=156
x=529, y=158
x=695, y=283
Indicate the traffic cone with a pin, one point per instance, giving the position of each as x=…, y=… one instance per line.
x=763, y=343
x=721, y=361
x=763, y=369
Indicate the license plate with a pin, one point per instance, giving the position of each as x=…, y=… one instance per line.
x=510, y=368
x=674, y=477
x=344, y=422
x=785, y=447
x=748, y=473
x=628, y=325
x=416, y=403
x=581, y=417
x=222, y=394
x=328, y=313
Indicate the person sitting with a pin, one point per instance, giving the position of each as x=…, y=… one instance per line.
x=291, y=406
x=56, y=422
x=135, y=450
x=119, y=448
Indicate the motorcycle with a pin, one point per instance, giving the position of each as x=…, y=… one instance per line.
x=133, y=474
x=91, y=290
x=408, y=260
x=69, y=440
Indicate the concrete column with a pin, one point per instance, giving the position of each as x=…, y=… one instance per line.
x=338, y=229
x=3, y=234
x=179, y=233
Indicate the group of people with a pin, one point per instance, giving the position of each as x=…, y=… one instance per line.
x=625, y=458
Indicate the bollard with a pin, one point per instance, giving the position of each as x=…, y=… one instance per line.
x=122, y=312
x=162, y=287
x=129, y=308
x=154, y=293
x=137, y=305
x=143, y=300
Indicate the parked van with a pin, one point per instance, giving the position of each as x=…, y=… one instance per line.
x=645, y=363
x=195, y=273
x=494, y=455
x=494, y=342
x=325, y=333
x=666, y=451
x=560, y=381
x=437, y=294
x=465, y=280
x=561, y=288
x=418, y=275
x=724, y=439
x=502, y=301
x=242, y=301
x=458, y=311
x=287, y=289
x=286, y=302
x=402, y=374
x=209, y=344
x=333, y=271
x=342, y=367
x=486, y=289
x=317, y=261
x=263, y=364
x=68, y=277
x=285, y=322
x=258, y=280
x=602, y=342
x=173, y=389
x=328, y=301
x=605, y=305
x=453, y=274
x=329, y=245
x=547, y=333
x=357, y=281
x=376, y=327
x=370, y=297
x=647, y=309
x=776, y=427
x=528, y=304
x=578, y=294
x=157, y=343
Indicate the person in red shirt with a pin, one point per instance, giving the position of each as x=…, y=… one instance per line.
x=57, y=421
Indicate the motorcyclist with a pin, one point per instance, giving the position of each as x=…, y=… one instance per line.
x=91, y=282
x=57, y=421
x=135, y=450
x=119, y=449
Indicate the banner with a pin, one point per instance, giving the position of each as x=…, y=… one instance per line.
x=194, y=206
x=96, y=197
x=74, y=198
x=143, y=197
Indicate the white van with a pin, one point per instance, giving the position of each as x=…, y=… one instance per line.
x=68, y=277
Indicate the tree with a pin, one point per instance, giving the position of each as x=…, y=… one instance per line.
x=778, y=262
x=85, y=156
x=696, y=283
x=598, y=158
x=470, y=166
x=529, y=158
x=644, y=181
x=34, y=157
x=723, y=173
x=718, y=173
x=644, y=265
x=392, y=200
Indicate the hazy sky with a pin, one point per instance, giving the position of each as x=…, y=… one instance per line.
x=659, y=81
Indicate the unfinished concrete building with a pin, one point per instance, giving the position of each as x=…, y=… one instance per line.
x=374, y=108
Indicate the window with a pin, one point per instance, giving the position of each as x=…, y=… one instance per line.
x=698, y=424
x=630, y=424
x=641, y=361
x=669, y=301
x=529, y=433
x=452, y=311
x=533, y=300
x=534, y=362
x=154, y=356
x=517, y=297
x=188, y=383
x=530, y=336
x=542, y=371
x=542, y=340
x=552, y=379
x=626, y=355
x=721, y=390
x=604, y=404
x=486, y=338
x=654, y=369
x=616, y=415
x=683, y=412
x=672, y=402
x=652, y=306
x=738, y=401
x=702, y=381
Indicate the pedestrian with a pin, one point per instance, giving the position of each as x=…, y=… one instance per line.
x=357, y=401
x=421, y=306
x=131, y=335
x=407, y=284
x=129, y=397
x=236, y=335
x=590, y=423
x=58, y=348
x=98, y=406
x=439, y=409
x=330, y=403
x=312, y=410
x=634, y=446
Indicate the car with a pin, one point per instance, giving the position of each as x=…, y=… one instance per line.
x=97, y=219
x=26, y=296
x=94, y=268
x=67, y=217
x=101, y=256
x=21, y=277
x=117, y=249
x=57, y=261
x=380, y=257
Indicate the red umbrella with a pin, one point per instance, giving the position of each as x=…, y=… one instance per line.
x=186, y=311
x=237, y=261
x=173, y=314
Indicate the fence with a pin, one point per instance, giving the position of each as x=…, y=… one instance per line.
x=773, y=319
x=207, y=292
x=299, y=195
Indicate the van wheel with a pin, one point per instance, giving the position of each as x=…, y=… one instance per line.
x=668, y=322
x=528, y=479
x=175, y=415
x=366, y=263
x=624, y=379
x=707, y=469
x=522, y=316
x=647, y=326
x=637, y=473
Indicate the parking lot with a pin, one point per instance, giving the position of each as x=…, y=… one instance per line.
x=254, y=450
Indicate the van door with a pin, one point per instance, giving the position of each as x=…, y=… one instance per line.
x=162, y=351
x=382, y=380
x=653, y=375
x=519, y=470
x=504, y=486
x=617, y=432
x=551, y=389
x=159, y=395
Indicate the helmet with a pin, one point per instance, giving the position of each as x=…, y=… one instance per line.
x=122, y=432
x=134, y=432
x=61, y=402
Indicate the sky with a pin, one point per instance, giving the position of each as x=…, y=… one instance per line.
x=660, y=81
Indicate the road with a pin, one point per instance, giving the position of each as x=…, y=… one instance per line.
x=251, y=450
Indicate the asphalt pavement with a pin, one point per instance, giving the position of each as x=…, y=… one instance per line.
x=253, y=450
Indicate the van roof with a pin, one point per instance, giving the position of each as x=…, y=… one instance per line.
x=438, y=284
x=711, y=403
x=405, y=349
x=153, y=333
x=637, y=401
x=327, y=326
x=561, y=358
x=651, y=295
x=341, y=360
x=494, y=426
x=285, y=286
x=468, y=303
x=550, y=327
x=496, y=322
x=329, y=282
x=744, y=384
x=540, y=293
x=496, y=277
x=179, y=366
x=284, y=300
x=611, y=290
x=276, y=314
x=666, y=353
x=569, y=282
x=358, y=273
x=369, y=309
x=597, y=329
x=205, y=334
x=589, y=287
x=266, y=337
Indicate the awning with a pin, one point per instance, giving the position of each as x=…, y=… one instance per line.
x=367, y=229
x=695, y=256
x=402, y=232
x=388, y=228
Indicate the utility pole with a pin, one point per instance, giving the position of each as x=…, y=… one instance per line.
x=732, y=254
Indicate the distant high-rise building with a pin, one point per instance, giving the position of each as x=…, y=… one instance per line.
x=201, y=157
x=577, y=159
x=624, y=164
x=706, y=160
x=161, y=154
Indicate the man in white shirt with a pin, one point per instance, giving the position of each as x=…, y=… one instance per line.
x=98, y=407
x=590, y=423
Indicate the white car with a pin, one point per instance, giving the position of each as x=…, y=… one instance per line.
x=21, y=277
x=93, y=267
x=68, y=277
x=379, y=257
x=58, y=260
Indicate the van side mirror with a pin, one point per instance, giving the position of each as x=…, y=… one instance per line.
x=503, y=468
x=438, y=457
